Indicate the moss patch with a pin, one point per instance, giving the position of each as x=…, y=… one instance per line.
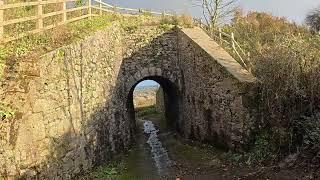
x=123, y=167
x=6, y=111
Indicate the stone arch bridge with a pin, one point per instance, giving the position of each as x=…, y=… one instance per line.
x=74, y=109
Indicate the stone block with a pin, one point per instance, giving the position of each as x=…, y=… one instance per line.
x=145, y=72
x=158, y=72
x=152, y=71
x=137, y=76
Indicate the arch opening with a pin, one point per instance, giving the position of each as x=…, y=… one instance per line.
x=167, y=99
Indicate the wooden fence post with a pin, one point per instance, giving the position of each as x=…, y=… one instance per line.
x=89, y=8
x=100, y=7
x=200, y=21
x=1, y=20
x=64, y=11
x=232, y=41
x=220, y=35
x=40, y=19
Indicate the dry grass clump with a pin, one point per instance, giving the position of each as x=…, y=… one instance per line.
x=183, y=20
x=144, y=101
x=256, y=31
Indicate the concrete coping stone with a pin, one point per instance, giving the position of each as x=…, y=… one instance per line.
x=199, y=37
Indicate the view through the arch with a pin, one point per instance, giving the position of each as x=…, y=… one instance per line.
x=148, y=101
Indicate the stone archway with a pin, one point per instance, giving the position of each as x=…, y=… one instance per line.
x=170, y=86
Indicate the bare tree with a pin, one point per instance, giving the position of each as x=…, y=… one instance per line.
x=215, y=11
x=313, y=20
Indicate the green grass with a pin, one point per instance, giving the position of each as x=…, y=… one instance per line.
x=123, y=167
x=195, y=152
x=146, y=111
x=111, y=171
x=6, y=111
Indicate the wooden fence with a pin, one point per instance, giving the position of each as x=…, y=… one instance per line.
x=229, y=40
x=40, y=15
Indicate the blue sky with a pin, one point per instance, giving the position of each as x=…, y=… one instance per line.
x=147, y=83
x=294, y=10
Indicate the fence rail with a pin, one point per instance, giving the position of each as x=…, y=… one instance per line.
x=40, y=15
x=228, y=39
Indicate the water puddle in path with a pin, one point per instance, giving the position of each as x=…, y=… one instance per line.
x=159, y=153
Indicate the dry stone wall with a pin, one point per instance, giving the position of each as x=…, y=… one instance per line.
x=65, y=120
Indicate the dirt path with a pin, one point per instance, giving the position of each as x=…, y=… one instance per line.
x=190, y=160
x=143, y=162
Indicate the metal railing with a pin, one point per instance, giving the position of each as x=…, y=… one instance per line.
x=229, y=40
x=41, y=15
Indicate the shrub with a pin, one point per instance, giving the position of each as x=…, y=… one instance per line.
x=285, y=58
x=183, y=20
x=313, y=20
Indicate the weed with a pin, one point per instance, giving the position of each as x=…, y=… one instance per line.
x=166, y=27
x=6, y=111
x=262, y=149
x=309, y=129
